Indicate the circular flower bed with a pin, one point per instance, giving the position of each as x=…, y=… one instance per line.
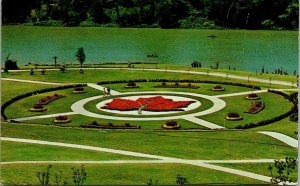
x=79, y=90
x=131, y=85
x=252, y=96
x=37, y=108
x=61, y=119
x=233, y=116
x=171, y=124
x=218, y=88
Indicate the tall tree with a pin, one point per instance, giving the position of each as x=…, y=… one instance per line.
x=80, y=55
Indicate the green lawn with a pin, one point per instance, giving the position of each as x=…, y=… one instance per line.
x=77, y=120
x=15, y=151
x=284, y=126
x=239, y=104
x=125, y=174
x=259, y=168
x=187, y=145
x=91, y=77
x=21, y=107
x=10, y=89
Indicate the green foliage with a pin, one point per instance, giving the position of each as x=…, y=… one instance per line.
x=283, y=170
x=44, y=176
x=167, y=13
x=80, y=55
x=180, y=180
x=79, y=176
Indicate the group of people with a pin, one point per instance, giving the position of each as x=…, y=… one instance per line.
x=106, y=92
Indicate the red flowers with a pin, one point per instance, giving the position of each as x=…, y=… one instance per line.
x=157, y=103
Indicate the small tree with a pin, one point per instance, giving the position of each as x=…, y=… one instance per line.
x=180, y=180
x=79, y=176
x=283, y=170
x=44, y=176
x=80, y=55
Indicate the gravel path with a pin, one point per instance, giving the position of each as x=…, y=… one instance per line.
x=161, y=159
x=29, y=81
x=282, y=137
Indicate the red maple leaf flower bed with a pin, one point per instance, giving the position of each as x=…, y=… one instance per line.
x=157, y=103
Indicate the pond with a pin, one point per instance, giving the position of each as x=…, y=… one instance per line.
x=242, y=49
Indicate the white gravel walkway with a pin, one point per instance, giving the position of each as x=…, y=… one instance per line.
x=101, y=88
x=282, y=137
x=203, y=122
x=29, y=81
x=44, y=116
x=241, y=93
x=161, y=159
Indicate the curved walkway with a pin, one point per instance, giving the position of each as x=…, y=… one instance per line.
x=282, y=137
x=161, y=159
x=29, y=81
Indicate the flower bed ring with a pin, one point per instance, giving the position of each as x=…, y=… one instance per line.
x=218, y=89
x=79, y=92
x=234, y=118
x=61, y=121
x=252, y=98
x=37, y=110
x=171, y=127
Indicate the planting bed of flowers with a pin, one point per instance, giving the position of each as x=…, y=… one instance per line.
x=156, y=104
x=94, y=124
x=61, y=119
x=252, y=96
x=256, y=107
x=48, y=99
x=233, y=116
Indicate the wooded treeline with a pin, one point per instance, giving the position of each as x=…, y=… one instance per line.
x=246, y=14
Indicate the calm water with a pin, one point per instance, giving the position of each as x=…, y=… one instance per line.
x=247, y=50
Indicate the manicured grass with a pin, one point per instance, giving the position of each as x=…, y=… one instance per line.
x=284, y=126
x=15, y=151
x=92, y=76
x=188, y=145
x=260, y=168
x=21, y=107
x=205, y=104
x=77, y=120
x=10, y=89
x=239, y=104
x=128, y=174
x=205, y=88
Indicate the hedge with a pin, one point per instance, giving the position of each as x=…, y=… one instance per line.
x=14, y=99
x=181, y=81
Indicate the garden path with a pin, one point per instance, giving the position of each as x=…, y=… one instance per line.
x=29, y=81
x=101, y=88
x=218, y=74
x=282, y=137
x=161, y=159
x=203, y=122
x=44, y=116
x=240, y=93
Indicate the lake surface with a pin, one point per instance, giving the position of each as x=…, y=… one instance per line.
x=242, y=49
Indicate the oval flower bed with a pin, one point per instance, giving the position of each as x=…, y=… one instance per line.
x=233, y=116
x=61, y=119
x=131, y=85
x=171, y=124
x=256, y=107
x=48, y=99
x=252, y=96
x=37, y=108
x=155, y=104
x=218, y=88
x=79, y=90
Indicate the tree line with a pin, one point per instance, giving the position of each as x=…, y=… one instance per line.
x=250, y=14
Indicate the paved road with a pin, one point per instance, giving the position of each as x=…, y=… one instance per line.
x=282, y=137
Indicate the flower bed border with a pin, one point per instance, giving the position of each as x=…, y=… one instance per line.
x=218, y=89
x=176, y=86
x=234, y=119
x=37, y=110
x=132, y=86
x=61, y=121
x=79, y=92
x=249, y=98
x=171, y=127
x=52, y=98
